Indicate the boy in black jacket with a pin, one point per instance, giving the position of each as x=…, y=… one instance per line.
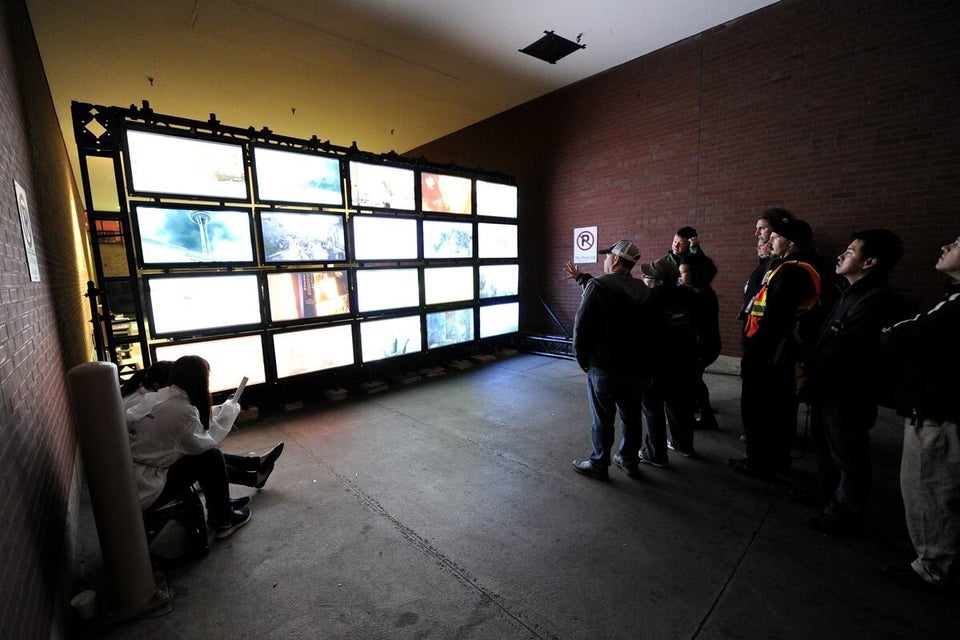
x=927, y=350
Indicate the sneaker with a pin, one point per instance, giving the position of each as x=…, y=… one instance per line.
x=238, y=518
x=686, y=453
x=589, y=469
x=629, y=468
x=235, y=503
x=643, y=459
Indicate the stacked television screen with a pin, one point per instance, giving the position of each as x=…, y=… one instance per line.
x=311, y=262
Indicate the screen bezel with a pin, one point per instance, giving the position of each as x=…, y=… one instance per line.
x=339, y=327
x=271, y=296
x=206, y=330
x=306, y=216
x=230, y=379
x=135, y=216
x=258, y=163
x=210, y=142
x=357, y=179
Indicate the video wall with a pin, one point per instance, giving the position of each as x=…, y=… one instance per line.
x=274, y=259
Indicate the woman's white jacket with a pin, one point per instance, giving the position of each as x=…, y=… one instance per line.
x=164, y=427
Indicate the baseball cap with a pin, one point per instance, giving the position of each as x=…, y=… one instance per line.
x=625, y=249
x=663, y=269
x=796, y=231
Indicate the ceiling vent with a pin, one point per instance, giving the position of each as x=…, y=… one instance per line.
x=551, y=47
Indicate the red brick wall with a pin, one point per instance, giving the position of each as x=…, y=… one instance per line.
x=42, y=333
x=843, y=112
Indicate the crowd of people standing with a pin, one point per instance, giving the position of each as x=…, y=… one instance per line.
x=842, y=350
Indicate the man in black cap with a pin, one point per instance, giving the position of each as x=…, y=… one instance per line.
x=608, y=342
x=768, y=399
x=671, y=398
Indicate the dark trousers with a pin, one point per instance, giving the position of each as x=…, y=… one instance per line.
x=208, y=469
x=669, y=401
x=242, y=470
x=841, y=428
x=768, y=406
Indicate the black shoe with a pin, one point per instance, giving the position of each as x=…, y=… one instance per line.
x=589, y=469
x=266, y=465
x=268, y=459
x=238, y=518
x=629, y=468
x=744, y=468
x=904, y=575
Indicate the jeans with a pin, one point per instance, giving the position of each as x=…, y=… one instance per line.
x=610, y=394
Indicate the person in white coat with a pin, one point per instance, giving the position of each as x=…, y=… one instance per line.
x=175, y=435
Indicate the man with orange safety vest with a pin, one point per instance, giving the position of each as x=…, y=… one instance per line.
x=773, y=335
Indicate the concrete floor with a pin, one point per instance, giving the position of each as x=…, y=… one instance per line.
x=449, y=509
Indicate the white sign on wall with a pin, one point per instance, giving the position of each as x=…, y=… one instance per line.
x=24, y=210
x=584, y=245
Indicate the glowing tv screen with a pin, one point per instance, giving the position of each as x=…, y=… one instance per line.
x=445, y=239
x=180, y=304
x=447, y=284
x=379, y=289
x=495, y=199
x=381, y=339
x=289, y=176
x=449, y=327
x=296, y=295
x=496, y=240
x=499, y=280
x=230, y=359
x=169, y=164
x=302, y=237
x=445, y=194
x=498, y=319
x=299, y=352
x=381, y=238
x=183, y=236
x=381, y=186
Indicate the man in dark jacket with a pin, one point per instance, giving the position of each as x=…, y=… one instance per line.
x=927, y=350
x=607, y=341
x=768, y=398
x=841, y=376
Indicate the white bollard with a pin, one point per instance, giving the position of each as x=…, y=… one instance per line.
x=98, y=417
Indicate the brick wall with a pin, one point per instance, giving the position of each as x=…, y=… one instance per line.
x=842, y=112
x=42, y=333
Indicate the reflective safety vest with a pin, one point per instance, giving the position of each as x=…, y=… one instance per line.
x=759, y=304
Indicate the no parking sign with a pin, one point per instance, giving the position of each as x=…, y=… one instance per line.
x=584, y=245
